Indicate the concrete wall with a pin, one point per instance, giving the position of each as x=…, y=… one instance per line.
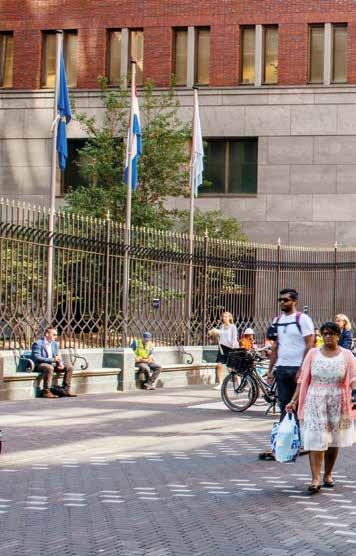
x=306, y=156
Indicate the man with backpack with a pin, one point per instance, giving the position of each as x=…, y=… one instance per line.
x=293, y=335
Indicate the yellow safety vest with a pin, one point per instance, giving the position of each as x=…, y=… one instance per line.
x=143, y=351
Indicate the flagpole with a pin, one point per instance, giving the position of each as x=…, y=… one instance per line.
x=191, y=211
x=52, y=205
x=127, y=237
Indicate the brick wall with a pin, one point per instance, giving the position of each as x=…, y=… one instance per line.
x=28, y=17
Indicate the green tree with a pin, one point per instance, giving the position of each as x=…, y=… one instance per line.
x=163, y=165
x=214, y=223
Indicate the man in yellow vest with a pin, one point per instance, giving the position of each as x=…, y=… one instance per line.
x=143, y=349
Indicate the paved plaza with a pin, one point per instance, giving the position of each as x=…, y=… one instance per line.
x=162, y=473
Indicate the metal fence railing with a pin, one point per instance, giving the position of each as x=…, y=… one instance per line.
x=87, y=307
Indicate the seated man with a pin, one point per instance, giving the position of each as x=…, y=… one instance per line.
x=45, y=355
x=143, y=349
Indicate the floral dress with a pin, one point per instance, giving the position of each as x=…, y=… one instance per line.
x=325, y=423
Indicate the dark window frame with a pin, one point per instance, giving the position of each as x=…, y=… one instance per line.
x=64, y=188
x=227, y=144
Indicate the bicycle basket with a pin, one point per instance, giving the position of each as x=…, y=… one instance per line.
x=240, y=360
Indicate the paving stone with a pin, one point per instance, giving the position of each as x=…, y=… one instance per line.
x=164, y=473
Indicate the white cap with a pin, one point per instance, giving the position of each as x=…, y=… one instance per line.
x=248, y=331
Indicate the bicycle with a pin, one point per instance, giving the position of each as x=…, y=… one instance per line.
x=243, y=385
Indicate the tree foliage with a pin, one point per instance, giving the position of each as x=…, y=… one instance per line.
x=214, y=223
x=163, y=167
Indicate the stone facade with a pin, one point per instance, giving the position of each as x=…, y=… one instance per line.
x=306, y=156
x=306, y=134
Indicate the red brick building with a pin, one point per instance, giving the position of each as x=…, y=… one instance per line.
x=278, y=94
x=27, y=19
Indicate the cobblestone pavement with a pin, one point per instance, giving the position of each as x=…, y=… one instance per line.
x=161, y=473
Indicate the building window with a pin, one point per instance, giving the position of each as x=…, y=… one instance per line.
x=49, y=58
x=136, y=54
x=202, y=56
x=6, y=59
x=316, y=54
x=270, y=55
x=70, y=56
x=339, y=61
x=71, y=177
x=180, y=56
x=114, y=57
x=230, y=166
x=248, y=56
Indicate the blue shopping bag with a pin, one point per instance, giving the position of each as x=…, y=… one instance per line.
x=285, y=439
x=274, y=432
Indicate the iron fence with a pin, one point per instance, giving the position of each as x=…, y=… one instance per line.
x=87, y=304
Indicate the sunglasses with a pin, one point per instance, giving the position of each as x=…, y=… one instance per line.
x=284, y=299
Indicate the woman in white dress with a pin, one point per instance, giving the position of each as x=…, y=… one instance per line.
x=326, y=398
x=228, y=340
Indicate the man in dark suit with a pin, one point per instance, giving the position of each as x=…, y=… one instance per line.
x=45, y=355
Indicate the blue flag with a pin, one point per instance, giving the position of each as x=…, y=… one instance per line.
x=65, y=114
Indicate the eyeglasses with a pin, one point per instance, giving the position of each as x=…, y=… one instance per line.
x=284, y=299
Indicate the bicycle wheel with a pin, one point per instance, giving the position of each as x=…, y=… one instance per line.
x=238, y=391
x=260, y=400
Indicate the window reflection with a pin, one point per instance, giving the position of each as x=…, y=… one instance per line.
x=316, y=54
x=270, y=55
x=114, y=57
x=6, y=59
x=248, y=56
x=203, y=56
x=136, y=53
x=339, y=54
x=49, y=58
x=180, y=56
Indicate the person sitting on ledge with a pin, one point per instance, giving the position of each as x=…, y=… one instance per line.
x=143, y=349
x=45, y=355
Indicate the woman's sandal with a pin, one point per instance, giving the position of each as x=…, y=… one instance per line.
x=329, y=484
x=314, y=489
x=266, y=456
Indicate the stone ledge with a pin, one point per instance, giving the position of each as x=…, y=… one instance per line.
x=19, y=377
x=187, y=367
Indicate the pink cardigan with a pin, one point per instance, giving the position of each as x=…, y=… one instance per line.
x=350, y=376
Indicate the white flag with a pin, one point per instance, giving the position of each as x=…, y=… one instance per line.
x=197, y=160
